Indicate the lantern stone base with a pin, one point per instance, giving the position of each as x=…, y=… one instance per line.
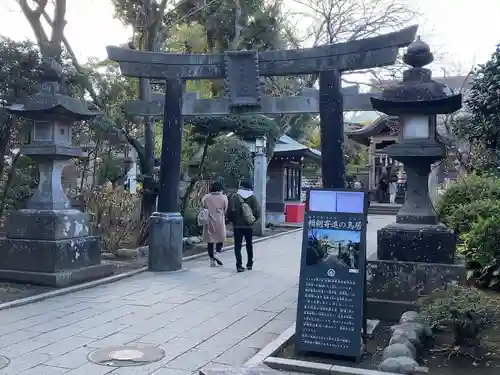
x=416, y=243
x=393, y=287
x=57, y=263
x=165, y=242
x=32, y=224
x=59, y=279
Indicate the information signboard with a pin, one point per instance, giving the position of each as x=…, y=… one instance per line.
x=331, y=302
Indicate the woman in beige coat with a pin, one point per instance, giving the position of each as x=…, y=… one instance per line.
x=214, y=232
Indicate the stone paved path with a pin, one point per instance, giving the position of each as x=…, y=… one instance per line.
x=200, y=316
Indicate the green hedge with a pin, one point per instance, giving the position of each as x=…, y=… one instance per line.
x=467, y=190
x=463, y=216
x=191, y=227
x=481, y=244
x=471, y=207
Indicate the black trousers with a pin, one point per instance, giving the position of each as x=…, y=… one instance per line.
x=239, y=234
x=210, y=248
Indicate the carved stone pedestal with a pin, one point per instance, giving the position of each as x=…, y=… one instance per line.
x=416, y=243
x=394, y=287
x=50, y=247
x=165, y=242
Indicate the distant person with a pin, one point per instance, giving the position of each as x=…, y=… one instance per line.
x=358, y=185
x=382, y=190
x=243, y=212
x=393, y=189
x=215, y=206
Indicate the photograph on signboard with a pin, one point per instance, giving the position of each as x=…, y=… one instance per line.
x=333, y=246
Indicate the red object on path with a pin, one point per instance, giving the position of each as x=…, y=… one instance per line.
x=294, y=212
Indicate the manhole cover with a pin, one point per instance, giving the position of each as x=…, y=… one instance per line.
x=123, y=356
x=4, y=362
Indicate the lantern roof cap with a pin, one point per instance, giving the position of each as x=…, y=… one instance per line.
x=418, y=54
x=417, y=93
x=52, y=99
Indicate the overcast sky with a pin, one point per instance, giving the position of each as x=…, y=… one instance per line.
x=466, y=30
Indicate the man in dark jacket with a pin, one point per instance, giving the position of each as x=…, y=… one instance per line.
x=241, y=226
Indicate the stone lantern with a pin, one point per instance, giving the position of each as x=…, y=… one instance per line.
x=48, y=242
x=417, y=235
x=260, y=181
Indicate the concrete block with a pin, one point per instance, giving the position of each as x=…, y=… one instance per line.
x=277, y=326
x=45, y=370
x=23, y=347
x=24, y=362
x=171, y=371
x=298, y=366
x=237, y=355
x=116, y=339
x=92, y=368
x=64, y=346
x=259, y=339
x=192, y=360
x=103, y=331
x=70, y=360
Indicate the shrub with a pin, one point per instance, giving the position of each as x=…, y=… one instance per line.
x=465, y=215
x=191, y=227
x=440, y=307
x=467, y=190
x=115, y=216
x=229, y=160
x=465, y=311
x=481, y=244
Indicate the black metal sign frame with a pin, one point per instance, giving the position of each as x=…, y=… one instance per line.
x=331, y=316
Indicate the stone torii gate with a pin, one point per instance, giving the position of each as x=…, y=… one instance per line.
x=192, y=105
x=241, y=71
x=307, y=102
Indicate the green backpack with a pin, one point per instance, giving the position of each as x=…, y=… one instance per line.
x=247, y=212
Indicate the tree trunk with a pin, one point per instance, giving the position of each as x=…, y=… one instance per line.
x=146, y=155
x=149, y=197
x=196, y=178
x=4, y=143
x=49, y=47
x=10, y=179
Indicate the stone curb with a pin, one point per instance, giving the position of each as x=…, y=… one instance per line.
x=265, y=356
x=272, y=348
x=293, y=365
x=111, y=279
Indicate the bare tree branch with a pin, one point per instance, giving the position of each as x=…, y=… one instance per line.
x=33, y=17
x=337, y=21
x=58, y=25
x=237, y=25
x=42, y=4
x=88, y=85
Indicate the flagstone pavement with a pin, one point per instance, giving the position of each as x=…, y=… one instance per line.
x=200, y=316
